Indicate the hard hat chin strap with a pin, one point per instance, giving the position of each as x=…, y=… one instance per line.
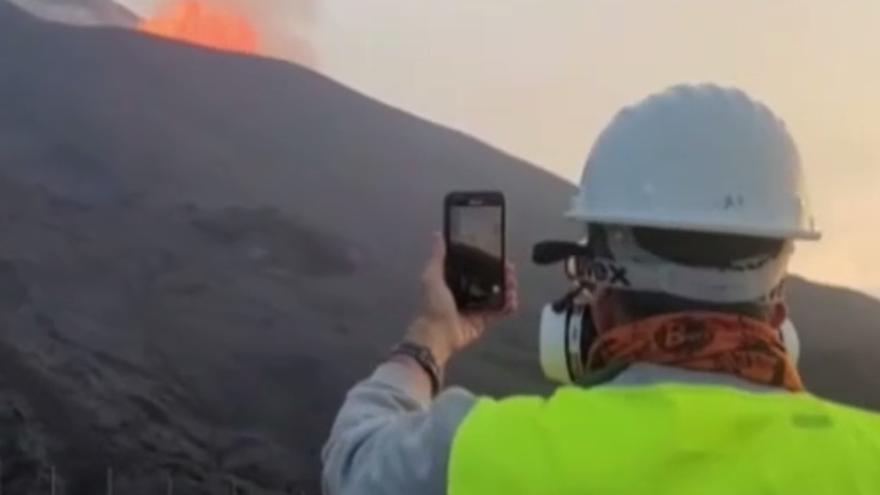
x=632, y=268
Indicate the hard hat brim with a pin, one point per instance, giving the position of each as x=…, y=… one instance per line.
x=694, y=225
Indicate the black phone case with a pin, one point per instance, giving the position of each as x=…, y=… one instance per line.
x=475, y=198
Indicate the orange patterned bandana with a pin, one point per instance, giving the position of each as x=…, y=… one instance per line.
x=711, y=342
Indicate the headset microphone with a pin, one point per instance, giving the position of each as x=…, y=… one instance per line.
x=552, y=252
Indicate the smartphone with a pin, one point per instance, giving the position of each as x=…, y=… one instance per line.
x=474, y=228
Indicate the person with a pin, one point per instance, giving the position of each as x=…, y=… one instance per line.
x=680, y=383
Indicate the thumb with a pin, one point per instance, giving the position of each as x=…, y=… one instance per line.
x=435, y=268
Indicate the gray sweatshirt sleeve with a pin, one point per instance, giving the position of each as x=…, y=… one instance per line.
x=390, y=437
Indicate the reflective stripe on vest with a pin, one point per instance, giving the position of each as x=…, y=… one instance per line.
x=666, y=439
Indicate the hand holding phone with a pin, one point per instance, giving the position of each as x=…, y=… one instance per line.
x=442, y=326
x=474, y=232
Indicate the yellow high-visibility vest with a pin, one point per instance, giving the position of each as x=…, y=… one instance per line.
x=665, y=439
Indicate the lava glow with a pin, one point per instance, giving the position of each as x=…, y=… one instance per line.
x=195, y=22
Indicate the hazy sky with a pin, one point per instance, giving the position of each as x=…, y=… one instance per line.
x=540, y=78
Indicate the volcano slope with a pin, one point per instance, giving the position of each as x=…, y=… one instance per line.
x=201, y=252
x=80, y=12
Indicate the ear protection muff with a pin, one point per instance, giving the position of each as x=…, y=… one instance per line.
x=566, y=330
x=566, y=336
x=791, y=340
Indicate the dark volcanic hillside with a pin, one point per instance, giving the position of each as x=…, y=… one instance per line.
x=80, y=12
x=200, y=252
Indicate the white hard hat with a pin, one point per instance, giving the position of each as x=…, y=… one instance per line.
x=697, y=158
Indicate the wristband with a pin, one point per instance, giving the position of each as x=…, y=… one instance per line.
x=424, y=357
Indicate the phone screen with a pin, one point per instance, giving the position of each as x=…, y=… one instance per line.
x=475, y=257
